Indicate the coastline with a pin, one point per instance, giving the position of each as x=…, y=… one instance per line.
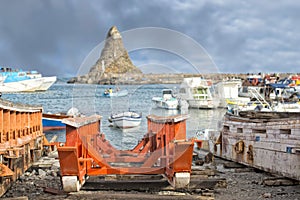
x=143, y=79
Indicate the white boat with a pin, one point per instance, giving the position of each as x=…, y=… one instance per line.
x=261, y=104
x=47, y=82
x=228, y=90
x=29, y=85
x=128, y=119
x=23, y=81
x=167, y=101
x=197, y=92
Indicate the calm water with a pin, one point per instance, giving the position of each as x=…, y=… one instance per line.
x=88, y=100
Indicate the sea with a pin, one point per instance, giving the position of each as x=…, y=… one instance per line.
x=89, y=100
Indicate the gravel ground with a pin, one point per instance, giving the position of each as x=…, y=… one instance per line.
x=250, y=185
x=244, y=183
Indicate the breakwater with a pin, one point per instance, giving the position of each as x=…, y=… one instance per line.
x=132, y=79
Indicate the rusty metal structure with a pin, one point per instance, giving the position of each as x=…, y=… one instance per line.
x=163, y=150
x=21, y=140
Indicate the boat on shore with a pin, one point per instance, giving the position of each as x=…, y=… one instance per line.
x=128, y=119
x=269, y=141
x=53, y=121
x=24, y=81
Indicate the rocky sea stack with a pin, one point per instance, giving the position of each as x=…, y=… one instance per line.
x=114, y=63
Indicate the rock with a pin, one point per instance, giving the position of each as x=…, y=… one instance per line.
x=199, y=162
x=33, y=173
x=42, y=173
x=267, y=195
x=54, y=174
x=114, y=60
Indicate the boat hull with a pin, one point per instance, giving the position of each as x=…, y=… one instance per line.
x=126, y=122
x=165, y=104
x=207, y=104
x=128, y=119
x=53, y=121
x=267, y=143
x=47, y=82
x=29, y=85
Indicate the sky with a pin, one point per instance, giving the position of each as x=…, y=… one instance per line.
x=55, y=36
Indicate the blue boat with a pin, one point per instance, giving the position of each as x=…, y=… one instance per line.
x=53, y=121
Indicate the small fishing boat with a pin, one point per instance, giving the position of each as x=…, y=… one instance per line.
x=128, y=119
x=52, y=121
x=111, y=93
x=167, y=101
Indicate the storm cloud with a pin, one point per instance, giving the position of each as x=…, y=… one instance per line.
x=54, y=37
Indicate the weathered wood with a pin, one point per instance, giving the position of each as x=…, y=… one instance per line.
x=280, y=182
x=16, y=198
x=269, y=144
x=233, y=165
x=196, y=183
x=207, y=172
x=54, y=191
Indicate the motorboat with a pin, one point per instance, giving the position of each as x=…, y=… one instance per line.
x=24, y=81
x=167, y=101
x=128, y=119
x=117, y=93
x=198, y=93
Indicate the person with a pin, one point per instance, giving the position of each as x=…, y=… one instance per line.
x=110, y=90
x=0, y=94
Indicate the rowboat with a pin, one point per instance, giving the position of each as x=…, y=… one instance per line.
x=53, y=121
x=128, y=119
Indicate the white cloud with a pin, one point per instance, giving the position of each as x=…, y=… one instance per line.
x=238, y=35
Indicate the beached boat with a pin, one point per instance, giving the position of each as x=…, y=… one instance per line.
x=111, y=93
x=269, y=141
x=197, y=92
x=53, y=121
x=24, y=81
x=167, y=101
x=128, y=119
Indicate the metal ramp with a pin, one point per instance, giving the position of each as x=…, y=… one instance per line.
x=163, y=150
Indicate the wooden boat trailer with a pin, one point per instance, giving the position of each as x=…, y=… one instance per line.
x=21, y=140
x=163, y=150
